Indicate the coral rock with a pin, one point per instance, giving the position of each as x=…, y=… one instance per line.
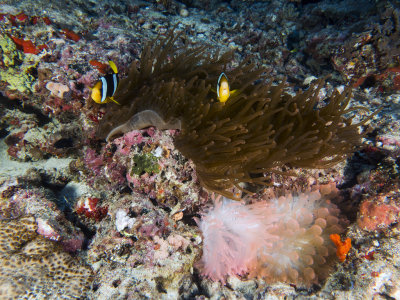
x=377, y=215
x=57, y=89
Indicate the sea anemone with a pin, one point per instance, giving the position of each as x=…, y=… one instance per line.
x=283, y=239
x=259, y=128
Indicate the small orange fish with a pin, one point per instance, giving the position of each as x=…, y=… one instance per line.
x=223, y=90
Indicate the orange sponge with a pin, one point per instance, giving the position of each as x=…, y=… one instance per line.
x=342, y=247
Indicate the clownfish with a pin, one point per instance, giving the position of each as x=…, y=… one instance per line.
x=223, y=91
x=104, y=89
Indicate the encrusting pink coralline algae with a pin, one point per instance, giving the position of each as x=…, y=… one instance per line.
x=283, y=239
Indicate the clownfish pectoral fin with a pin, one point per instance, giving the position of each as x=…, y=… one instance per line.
x=112, y=99
x=233, y=92
x=113, y=66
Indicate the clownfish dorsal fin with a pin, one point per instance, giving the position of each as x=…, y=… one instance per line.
x=113, y=66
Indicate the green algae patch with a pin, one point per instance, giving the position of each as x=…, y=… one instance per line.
x=145, y=163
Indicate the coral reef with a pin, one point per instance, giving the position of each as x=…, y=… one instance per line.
x=378, y=214
x=18, y=200
x=153, y=252
x=16, y=76
x=33, y=267
x=148, y=163
x=372, y=51
x=90, y=209
x=125, y=208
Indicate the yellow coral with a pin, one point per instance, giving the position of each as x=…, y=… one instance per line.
x=10, y=51
x=15, y=75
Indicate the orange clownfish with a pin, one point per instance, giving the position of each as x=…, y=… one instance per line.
x=223, y=91
x=104, y=89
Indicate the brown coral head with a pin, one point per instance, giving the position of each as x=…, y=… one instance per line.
x=40, y=262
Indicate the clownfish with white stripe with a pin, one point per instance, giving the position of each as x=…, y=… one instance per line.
x=104, y=89
x=223, y=90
